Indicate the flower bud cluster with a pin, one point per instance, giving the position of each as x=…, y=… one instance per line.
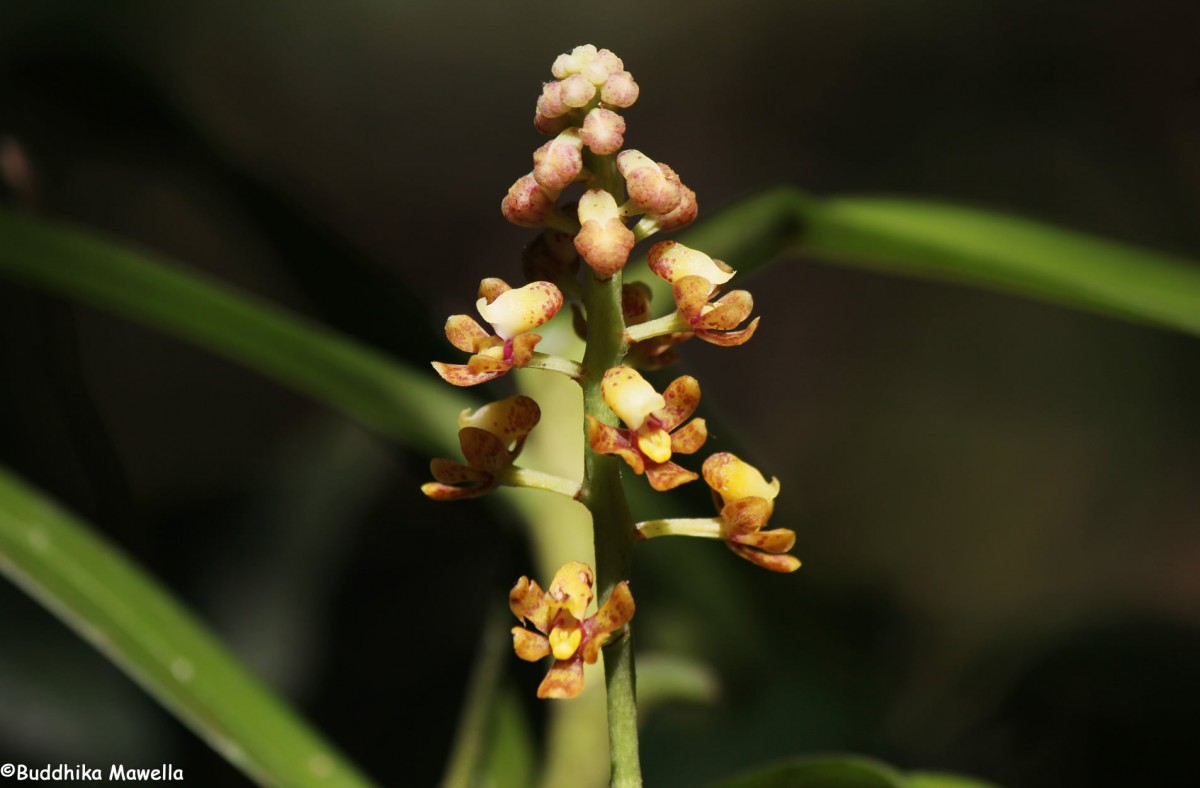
x=578, y=109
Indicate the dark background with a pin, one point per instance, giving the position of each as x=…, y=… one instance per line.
x=996, y=500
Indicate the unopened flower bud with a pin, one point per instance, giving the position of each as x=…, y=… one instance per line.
x=684, y=213
x=601, y=67
x=603, y=239
x=527, y=204
x=635, y=303
x=550, y=103
x=619, y=90
x=550, y=126
x=577, y=91
x=568, y=64
x=650, y=188
x=603, y=131
x=559, y=162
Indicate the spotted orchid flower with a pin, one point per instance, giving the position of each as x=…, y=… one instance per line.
x=695, y=278
x=647, y=443
x=746, y=500
x=558, y=616
x=513, y=314
x=491, y=439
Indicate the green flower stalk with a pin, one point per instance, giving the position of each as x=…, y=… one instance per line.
x=578, y=258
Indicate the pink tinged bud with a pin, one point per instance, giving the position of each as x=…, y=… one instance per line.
x=559, y=162
x=577, y=91
x=550, y=103
x=630, y=396
x=527, y=204
x=684, y=213
x=601, y=67
x=651, y=190
x=619, y=90
x=514, y=312
x=635, y=303
x=550, y=126
x=672, y=261
x=603, y=131
x=572, y=63
x=603, y=240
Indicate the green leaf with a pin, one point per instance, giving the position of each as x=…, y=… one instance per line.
x=940, y=780
x=1007, y=253
x=138, y=625
x=949, y=243
x=407, y=405
x=831, y=771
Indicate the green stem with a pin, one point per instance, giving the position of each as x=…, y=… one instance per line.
x=556, y=364
x=705, y=527
x=537, y=480
x=612, y=524
x=667, y=324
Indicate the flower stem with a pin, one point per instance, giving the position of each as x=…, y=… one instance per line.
x=705, y=527
x=555, y=364
x=612, y=524
x=667, y=324
x=537, y=480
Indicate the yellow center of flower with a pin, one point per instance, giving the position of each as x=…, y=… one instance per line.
x=654, y=443
x=565, y=635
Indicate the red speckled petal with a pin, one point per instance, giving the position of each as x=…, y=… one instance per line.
x=455, y=481
x=665, y=476
x=571, y=589
x=689, y=439
x=771, y=561
x=480, y=364
x=492, y=288
x=682, y=398
x=530, y=646
x=565, y=679
x=729, y=338
x=527, y=601
x=691, y=296
x=522, y=348
x=777, y=540
x=745, y=515
x=451, y=472
x=609, y=440
x=483, y=449
x=615, y=613
x=728, y=312
x=463, y=375
x=464, y=333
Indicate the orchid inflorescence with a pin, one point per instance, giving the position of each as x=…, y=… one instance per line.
x=626, y=197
